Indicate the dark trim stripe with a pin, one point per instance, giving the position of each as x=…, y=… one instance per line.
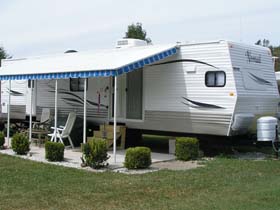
x=14, y=93
x=72, y=100
x=259, y=80
x=185, y=60
x=77, y=99
x=201, y=105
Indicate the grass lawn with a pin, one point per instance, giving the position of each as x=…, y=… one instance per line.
x=221, y=184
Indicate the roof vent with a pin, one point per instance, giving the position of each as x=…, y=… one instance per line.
x=128, y=42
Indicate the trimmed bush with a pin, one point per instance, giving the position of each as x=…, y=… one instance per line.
x=137, y=157
x=95, y=153
x=2, y=140
x=54, y=151
x=186, y=148
x=13, y=130
x=20, y=144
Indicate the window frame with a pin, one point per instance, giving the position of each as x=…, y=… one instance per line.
x=215, y=81
x=79, y=81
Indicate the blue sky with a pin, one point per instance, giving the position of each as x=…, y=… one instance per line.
x=33, y=27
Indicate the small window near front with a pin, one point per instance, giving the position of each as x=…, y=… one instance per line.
x=215, y=79
x=77, y=84
x=29, y=83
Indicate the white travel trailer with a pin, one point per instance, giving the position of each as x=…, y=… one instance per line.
x=212, y=88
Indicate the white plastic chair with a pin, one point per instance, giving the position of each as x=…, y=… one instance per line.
x=64, y=131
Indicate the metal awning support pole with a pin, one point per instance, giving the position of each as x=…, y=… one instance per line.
x=115, y=120
x=30, y=116
x=85, y=112
x=55, y=111
x=8, y=120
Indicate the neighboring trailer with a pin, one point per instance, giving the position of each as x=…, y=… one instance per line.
x=20, y=99
x=212, y=88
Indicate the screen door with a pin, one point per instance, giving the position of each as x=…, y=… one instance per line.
x=134, y=94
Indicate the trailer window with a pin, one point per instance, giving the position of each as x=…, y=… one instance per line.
x=29, y=83
x=77, y=84
x=215, y=79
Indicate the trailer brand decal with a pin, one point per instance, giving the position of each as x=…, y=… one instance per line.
x=77, y=99
x=72, y=101
x=185, y=60
x=196, y=104
x=259, y=80
x=253, y=58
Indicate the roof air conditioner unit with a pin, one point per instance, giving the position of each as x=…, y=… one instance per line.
x=128, y=42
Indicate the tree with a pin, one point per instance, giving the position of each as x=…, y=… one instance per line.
x=137, y=32
x=259, y=42
x=276, y=53
x=3, y=53
x=264, y=42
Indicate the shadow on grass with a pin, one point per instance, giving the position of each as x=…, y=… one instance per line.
x=212, y=147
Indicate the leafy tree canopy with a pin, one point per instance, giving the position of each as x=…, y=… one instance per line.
x=136, y=31
x=264, y=42
x=276, y=53
x=3, y=53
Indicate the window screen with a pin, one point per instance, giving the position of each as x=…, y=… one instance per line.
x=77, y=84
x=215, y=79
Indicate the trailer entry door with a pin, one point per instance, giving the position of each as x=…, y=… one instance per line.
x=134, y=94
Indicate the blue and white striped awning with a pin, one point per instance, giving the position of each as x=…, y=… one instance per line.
x=84, y=65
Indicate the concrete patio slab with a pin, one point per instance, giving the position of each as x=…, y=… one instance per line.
x=73, y=157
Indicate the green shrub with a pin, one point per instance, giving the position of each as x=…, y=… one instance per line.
x=2, y=140
x=95, y=153
x=13, y=130
x=54, y=151
x=137, y=157
x=20, y=144
x=186, y=148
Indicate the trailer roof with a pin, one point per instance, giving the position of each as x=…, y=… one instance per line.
x=82, y=65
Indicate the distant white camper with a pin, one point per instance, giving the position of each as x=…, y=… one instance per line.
x=20, y=99
x=212, y=88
